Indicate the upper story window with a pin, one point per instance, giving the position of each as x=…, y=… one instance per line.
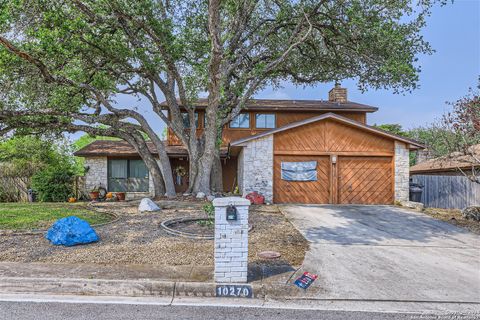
x=241, y=121
x=265, y=120
x=186, y=121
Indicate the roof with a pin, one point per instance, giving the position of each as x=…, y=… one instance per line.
x=105, y=148
x=413, y=144
x=295, y=105
x=450, y=163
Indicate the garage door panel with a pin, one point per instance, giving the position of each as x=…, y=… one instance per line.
x=302, y=191
x=365, y=180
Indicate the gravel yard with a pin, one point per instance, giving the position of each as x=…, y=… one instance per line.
x=454, y=217
x=136, y=238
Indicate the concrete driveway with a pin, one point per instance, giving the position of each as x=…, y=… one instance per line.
x=387, y=253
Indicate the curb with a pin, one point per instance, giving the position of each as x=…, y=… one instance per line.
x=204, y=293
x=124, y=288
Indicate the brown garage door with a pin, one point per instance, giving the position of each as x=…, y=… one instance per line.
x=365, y=180
x=302, y=191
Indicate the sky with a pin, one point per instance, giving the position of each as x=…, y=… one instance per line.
x=453, y=32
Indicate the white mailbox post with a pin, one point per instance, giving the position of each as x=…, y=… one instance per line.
x=231, y=239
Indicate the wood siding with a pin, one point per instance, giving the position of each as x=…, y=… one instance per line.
x=331, y=137
x=448, y=192
x=354, y=166
x=365, y=180
x=282, y=118
x=302, y=191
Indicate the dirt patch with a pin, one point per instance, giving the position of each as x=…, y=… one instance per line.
x=137, y=238
x=454, y=217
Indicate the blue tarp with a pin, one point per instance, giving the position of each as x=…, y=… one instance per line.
x=299, y=171
x=71, y=231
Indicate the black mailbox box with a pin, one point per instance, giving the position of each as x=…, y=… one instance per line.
x=232, y=213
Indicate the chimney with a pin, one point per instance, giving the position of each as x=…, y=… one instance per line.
x=337, y=93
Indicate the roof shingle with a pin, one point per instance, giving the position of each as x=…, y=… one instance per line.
x=296, y=105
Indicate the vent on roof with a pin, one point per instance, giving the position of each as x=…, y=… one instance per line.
x=337, y=93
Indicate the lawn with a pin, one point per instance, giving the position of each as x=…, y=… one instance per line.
x=24, y=216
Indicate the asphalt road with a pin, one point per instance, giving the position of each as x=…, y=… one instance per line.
x=89, y=311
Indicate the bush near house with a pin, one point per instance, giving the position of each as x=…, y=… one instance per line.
x=41, y=163
x=53, y=183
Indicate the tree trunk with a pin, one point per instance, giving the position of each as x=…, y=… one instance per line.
x=216, y=174
x=152, y=165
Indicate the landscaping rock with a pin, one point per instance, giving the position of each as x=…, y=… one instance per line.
x=147, y=205
x=71, y=231
x=412, y=205
x=471, y=213
x=210, y=198
x=200, y=195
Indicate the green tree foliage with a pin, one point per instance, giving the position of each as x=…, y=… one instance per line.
x=393, y=128
x=54, y=183
x=63, y=64
x=25, y=157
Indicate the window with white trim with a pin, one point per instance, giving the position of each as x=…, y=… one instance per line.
x=242, y=121
x=265, y=120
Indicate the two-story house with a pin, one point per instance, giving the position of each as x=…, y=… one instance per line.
x=291, y=151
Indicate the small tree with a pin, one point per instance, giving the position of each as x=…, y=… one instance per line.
x=22, y=158
x=463, y=138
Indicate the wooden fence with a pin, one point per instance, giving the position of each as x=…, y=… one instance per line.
x=448, y=192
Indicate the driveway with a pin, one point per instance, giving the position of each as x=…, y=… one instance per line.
x=387, y=253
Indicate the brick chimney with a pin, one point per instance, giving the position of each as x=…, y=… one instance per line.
x=337, y=93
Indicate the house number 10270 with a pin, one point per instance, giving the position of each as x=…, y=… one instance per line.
x=234, y=291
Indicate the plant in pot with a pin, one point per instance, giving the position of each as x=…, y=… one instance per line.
x=94, y=193
x=120, y=196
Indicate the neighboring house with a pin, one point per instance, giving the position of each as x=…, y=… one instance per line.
x=445, y=182
x=291, y=151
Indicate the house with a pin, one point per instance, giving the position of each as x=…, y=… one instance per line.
x=449, y=182
x=291, y=151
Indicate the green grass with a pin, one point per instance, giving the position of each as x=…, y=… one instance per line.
x=21, y=216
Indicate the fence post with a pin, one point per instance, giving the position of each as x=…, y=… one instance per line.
x=231, y=239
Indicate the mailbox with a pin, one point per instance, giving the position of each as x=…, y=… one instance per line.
x=231, y=213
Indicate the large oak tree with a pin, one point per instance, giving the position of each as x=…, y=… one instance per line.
x=64, y=64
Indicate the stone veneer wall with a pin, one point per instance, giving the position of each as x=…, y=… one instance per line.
x=402, y=171
x=257, y=167
x=96, y=176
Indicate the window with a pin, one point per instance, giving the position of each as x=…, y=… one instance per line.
x=186, y=121
x=241, y=121
x=127, y=175
x=299, y=171
x=265, y=120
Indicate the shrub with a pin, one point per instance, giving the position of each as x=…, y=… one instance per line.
x=209, y=210
x=53, y=183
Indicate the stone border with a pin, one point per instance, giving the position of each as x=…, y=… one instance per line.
x=167, y=223
x=33, y=232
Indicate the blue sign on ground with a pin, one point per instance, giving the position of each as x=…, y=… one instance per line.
x=305, y=280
